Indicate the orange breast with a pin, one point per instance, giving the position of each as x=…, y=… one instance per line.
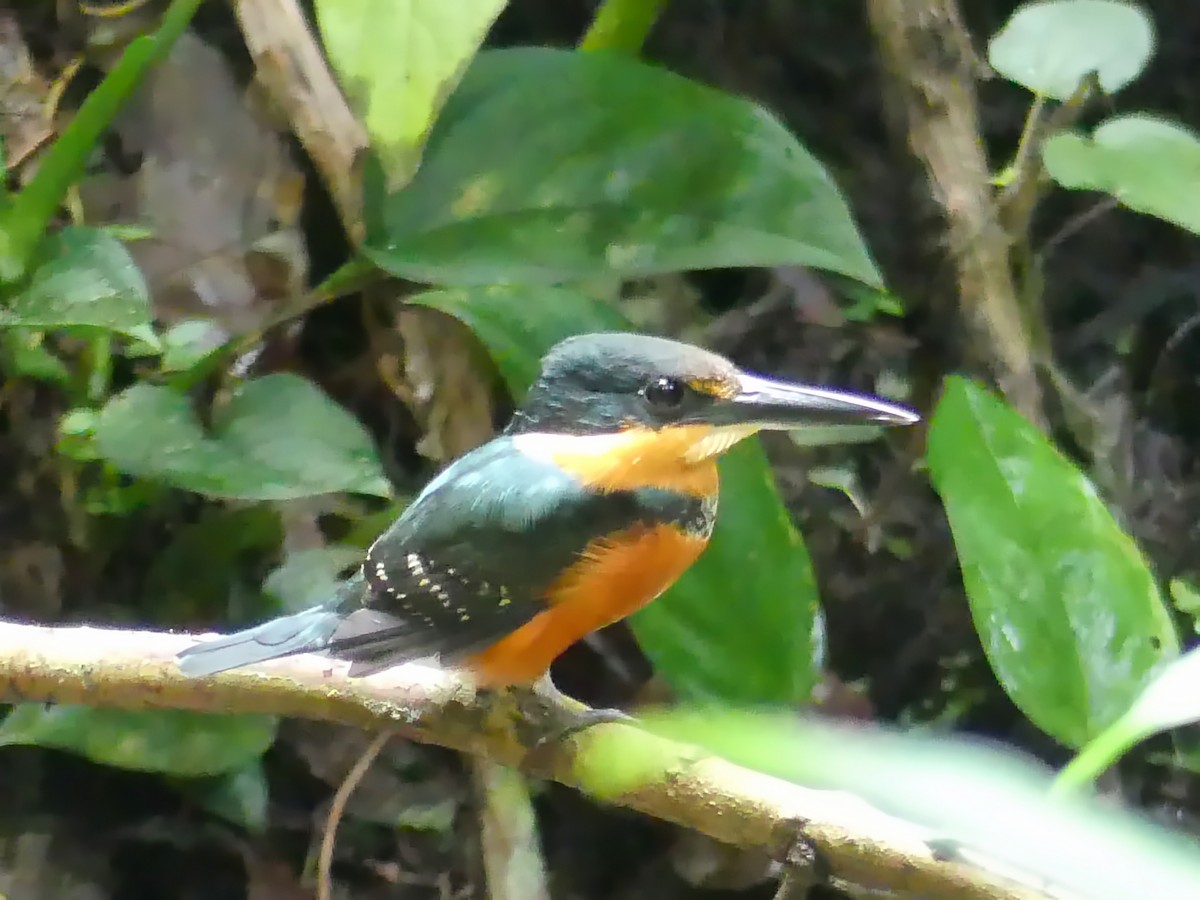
x=615, y=577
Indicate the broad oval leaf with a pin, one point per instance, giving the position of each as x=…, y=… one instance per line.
x=278, y=438
x=172, y=741
x=550, y=165
x=741, y=625
x=1068, y=612
x=398, y=60
x=84, y=277
x=1148, y=164
x=1050, y=47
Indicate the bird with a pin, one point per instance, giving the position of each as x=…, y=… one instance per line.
x=600, y=492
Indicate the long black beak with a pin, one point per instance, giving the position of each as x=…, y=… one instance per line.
x=779, y=405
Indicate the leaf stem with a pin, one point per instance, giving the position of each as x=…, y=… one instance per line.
x=622, y=25
x=1096, y=757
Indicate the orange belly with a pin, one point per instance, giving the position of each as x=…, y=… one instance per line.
x=616, y=576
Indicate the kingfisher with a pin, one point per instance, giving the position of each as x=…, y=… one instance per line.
x=598, y=495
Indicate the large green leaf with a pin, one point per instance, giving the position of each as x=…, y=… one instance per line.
x=176, y=742
x=278, y=438
x=85, y=277
x=398, y=61
x=1147, y=163
x=1050, y=47
x=741, y=625
x=550, y=165
x=1068, y=611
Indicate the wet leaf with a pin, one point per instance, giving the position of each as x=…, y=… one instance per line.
x=1068, y=611
x=278, y=438
x=1148, y=164
x=398, y=60
x=741, y=625
x=620, y=168
x=1051, y=47
x=85, y=277
x=175, y=742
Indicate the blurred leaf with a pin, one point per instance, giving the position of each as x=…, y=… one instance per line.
x=84, y=277
x=205, y=562
x=238, y=796
x=26, y=218
x=23, y=354
x=310, y=577
x=1067, y=610
x=1148, y=164
x=278, y=438
x=741, y=624
x=618, y=168
x=190, y=342
x=398, y=60
x=1185, y=597
x=1081, y=847
x=1051, y=47
x=172, y=741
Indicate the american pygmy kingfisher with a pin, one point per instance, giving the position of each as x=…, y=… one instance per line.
x=592, y=502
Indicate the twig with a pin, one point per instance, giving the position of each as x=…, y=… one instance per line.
x=338, y=807
x=292, y=68
x=512, y=856
x=928, y=54
x=679, y=784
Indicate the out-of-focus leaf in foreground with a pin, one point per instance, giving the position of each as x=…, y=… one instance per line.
x=174, y=742
x=1068, y=611
x=741, y=624
x=278, y=438
x=614, y=167
x=398, y=60
x=968, y=795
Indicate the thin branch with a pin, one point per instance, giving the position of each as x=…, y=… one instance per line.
x=136, y=670
x=933, y=69
x=337, y=808
x=291, y=66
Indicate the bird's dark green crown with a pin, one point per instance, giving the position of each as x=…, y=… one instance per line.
x=605, y=382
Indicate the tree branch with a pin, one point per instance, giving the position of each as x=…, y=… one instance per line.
x=933, y=68
x=680, y=784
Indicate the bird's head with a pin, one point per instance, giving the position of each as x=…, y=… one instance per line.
x=626, y=410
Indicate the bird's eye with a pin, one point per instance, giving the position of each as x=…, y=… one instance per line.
x=665, y=393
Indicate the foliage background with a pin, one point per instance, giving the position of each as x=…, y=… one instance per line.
x=86, y=542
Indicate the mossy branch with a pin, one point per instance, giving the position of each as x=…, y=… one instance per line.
x=677, y=783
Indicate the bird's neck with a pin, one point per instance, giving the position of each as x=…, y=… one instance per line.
x=681, y=459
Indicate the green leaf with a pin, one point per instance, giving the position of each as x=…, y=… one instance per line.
x=1051, y=47
x=278, y=438
x=238, y=796
x=1067, y=610
x=398, y=60
x=25, y=220
x=1148, y=164
x=85, y=277
x=189, y=343
x=309, y=577
x=741, y=624
x=172, y=741
x=550, y=166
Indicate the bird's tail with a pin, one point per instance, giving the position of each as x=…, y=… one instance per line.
x=303, y=632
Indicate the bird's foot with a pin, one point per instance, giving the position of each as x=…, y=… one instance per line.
x=558, y=717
